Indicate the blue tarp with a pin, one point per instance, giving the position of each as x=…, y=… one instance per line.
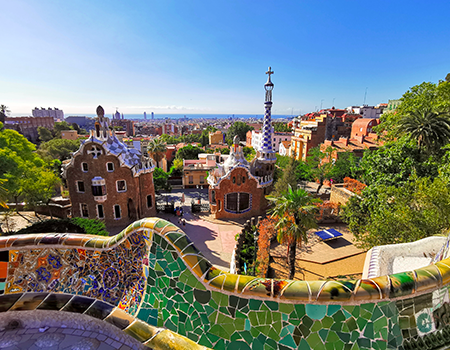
x=326, y=235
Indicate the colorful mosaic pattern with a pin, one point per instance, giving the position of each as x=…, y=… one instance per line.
x=174, y=286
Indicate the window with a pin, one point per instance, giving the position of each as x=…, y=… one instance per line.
x=243, y=179
x=84, y=167
x=232, y=202
x=234, y=179
x=237, y=202
x=117, y=212
x=110, y=167
x=149, y=201
x=121, y=186
x=213, y=197
x=84, y=210
x=100, y=213
x=191, y=179
x=202, y=179
x=80, y=186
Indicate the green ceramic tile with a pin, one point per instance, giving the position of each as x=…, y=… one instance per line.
x=314, y=340
x=316, y=312
x=288, y=341
x=286, y=308
x=368, y=331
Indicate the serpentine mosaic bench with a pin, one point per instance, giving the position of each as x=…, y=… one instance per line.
x=151, y=282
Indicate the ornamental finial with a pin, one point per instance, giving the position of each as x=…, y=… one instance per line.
x=268, y=86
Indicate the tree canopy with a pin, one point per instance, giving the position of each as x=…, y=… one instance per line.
x=160, y=180
x=61, y=149
x=189, y=152
x=407, y=197
x=240, y=129
x=28, y=176
x=281, y=127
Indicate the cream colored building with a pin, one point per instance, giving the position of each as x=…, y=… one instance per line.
x=216, y=138
x=69, y=134
x=195, y=171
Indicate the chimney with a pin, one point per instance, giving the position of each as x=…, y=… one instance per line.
x=344, y=140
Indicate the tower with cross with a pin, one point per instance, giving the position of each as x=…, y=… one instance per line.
x=237, y=188
x=266, y=153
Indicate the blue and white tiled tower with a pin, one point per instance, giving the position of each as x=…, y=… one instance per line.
x=266, y=152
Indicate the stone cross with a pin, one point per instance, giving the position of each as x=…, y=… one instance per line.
x=95, y=151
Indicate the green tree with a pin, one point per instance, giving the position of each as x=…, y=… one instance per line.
x=295, y=212
x=282, y=161
x=289, y=178
x=4, y=111
x=44, y=134
x=240, y=129
x=157, y=149
x=391, y=214
x=345, y=166
x=431, y=130
x=204, y=139
x=249, y=153
x=61, y=149
x=39, y=186
x=423, y=97
x=61, y=126
x=393, y=164
x=281, y=127
x=320, y=170
x=189, y=152
x=21, y=166
x=177, y=167
x=160, y=180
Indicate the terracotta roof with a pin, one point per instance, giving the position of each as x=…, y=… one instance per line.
x=286, y=144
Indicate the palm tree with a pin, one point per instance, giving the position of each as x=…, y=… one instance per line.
x=157, y=150
x=4, y=111
x=295, y=212
x=430, y=129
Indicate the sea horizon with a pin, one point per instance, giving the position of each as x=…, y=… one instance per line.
x=189, y=116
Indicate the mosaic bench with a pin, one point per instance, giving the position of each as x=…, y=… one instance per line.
x=151, y=282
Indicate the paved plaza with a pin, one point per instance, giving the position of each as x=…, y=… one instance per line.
x=214, y=238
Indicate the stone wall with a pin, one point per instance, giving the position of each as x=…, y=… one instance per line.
x=339, y=194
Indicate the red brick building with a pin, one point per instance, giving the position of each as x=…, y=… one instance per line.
x=27, y=126
x=362, y=139
x=108, y=181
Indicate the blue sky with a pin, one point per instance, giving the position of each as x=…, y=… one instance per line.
x=210, y=56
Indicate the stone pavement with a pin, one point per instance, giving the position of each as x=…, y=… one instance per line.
x=58, y=339
x=320, y=252
x=214, y=238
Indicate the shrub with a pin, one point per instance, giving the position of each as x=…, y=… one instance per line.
x=74, y=225
x=354, y=185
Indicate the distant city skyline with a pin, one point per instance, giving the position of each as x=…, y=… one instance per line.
x=197, y=57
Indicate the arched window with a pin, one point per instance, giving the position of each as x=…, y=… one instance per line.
x=237, y=202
